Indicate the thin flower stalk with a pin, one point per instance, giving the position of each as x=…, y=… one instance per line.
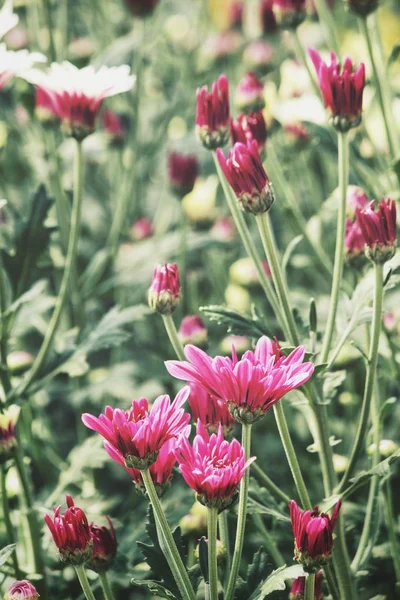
x=173, y=336
x=106, y=587
x=223, y=528
x=7, y=521
x=212, y=519
x=392, y=528
x=310, y=588
x=84, y=582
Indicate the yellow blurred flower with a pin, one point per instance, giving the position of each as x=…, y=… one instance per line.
x=199, y=204
x=237, y=297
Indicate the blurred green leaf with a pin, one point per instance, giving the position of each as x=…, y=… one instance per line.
x=277, y=581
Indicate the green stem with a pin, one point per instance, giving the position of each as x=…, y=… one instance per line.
x=224, y=537
x=173, y=336
x=105, y=584
x=343, y=162
x=269, y=542
x=370, y=378
x=212, y=519
x=328, y=22
x=244, y=233
x=269, y=484
x=301, y=53
x=241, y=519
x=382, y=91
x=4, y=375
x=49, y=25
x=167, y=541
x=309, y=587
x=66, y=280
x=392, y=528
x=330, y=580
x=7, y=521
x=83, y=580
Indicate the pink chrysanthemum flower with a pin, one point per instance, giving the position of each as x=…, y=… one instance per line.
x=246, y=175
x=297, y=590
x=313, y=535
x=193, y=331
x=211, y=411
x=250, y=127
x=115, y=126
x=14, y=64
x=165, y=290
x=289, y=13
x=379, y=229
x=356, y=197
x=354, y=243
x=77, y=94
x=104, y=547
x=138, y=434
x=160, y=471
x=212, y=466
x=249, y=96
x=21, y=590
x=250, y=386
x=342, y=90
x=183, y=171
x=71, y=533
x=212, y=114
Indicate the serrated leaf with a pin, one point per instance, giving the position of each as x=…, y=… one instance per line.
x=36, y=290
x=331, y=385
x=277, y=581
x=154, y=588
x=5, y=553
x=255, y=574
x=235, y=322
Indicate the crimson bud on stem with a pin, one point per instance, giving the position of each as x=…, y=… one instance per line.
x=165, y=290
x=212, y=114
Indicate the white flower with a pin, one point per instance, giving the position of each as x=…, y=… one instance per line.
x=8, y=19
x=16, y=63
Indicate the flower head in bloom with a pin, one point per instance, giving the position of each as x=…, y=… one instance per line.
x=362, y=7
x=104, y=547
x=250, y=386
x=183, y=171
x=193, y=331
x=289, y=13
x=268, y=21
x=138, y=434
x=356, y=197
x=249, y=127
x=77, y=94
x=8, y=19
x=71, y=533
x=212, y=114
x=212, y=466
x=21, y=590
x=379, y=229
x=8, y=441
x=259, y=56
x=165, y=290
x=114, y=126
x=211, y=411
x=141, y=8
x=297, y=590
x=142, y=229
x=16, y=63
x=160, y=471
x=313, y=535
x=354, y=243
x=246, y=175
x=249, y=96
x=342, y=90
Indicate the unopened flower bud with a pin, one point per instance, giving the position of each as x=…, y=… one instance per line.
x=249, y=95
x=104, y=547
x=248, y=127
x=223, y=230
x=195, y=522
x=296, y=135
x=340, y=463
x=289, y=13
x=193, y=331
x=165, y=290
x=183, y=171
x=243, y=272
x=19, y=361
x=212, y=114
x=142, y=229
x=379, y=228
x=354, y=244
x=356, y=197
x=260, y=57
x=21, y=590
x=386, y=448
x=363, y=8
x=297, y=590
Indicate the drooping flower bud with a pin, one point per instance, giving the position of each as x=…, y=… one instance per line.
x=363, y=8
x=313, y=535
x=71, y=533
x=379, y=229
x=342, y=90
x=212, y=114
x=21, y=590
x=193, y=331
x=141, y=8
x=165, y=290
x=259, y=57
x=289, y=13
x=246, y=175
x=249, y=96
x=8, y=440
x=183, y=171
x=297, y=590
x=356, y=197
x=142, y=229
x=249, y=127
x=354, y=243
x=104, y=547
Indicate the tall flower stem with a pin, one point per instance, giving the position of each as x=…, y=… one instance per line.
x=224, y=537
x=106, y=587
x=4, y=375
x=241, y=519
x=83, y=580
x=244, y=233
x=328, y=22
x=382, y=91
x=343, y=163
x=212, y=519
x=173, y=336
x=370, y=378
x=310, y=587
x=269, y=484
x=391, y=525
x=167, y=541
x=66, y=280
x=49, y=26
x=7, y=521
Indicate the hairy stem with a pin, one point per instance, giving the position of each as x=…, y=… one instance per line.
x=83, y=580
x=105, y=584
x=212, y=518
x=173, y=336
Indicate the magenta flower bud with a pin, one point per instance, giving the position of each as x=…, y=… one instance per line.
x=104, y=547
x=379, y=230
x=8, y=440
x=313, y=535
x=165, y=290
x=297, y=590
x=212, y=114
x=223, y=230
x=356, y=197
x=114, y=126
x=390, y=321
x=193, y=331
x=250, y=127
x=259, y=56
x=289, y=13
x=71, y=533
x=354, y=244
x=211, y=411
x=342, y=90
x=142, y=229
x=246, y=175
x=268, y=20
x=363, y=8
x=296, y=134
x=141, y=8
x=249, y=95
x=212, y=466
x=236, y=15
x=21, y=590
x=183, y=171
x=137, y=435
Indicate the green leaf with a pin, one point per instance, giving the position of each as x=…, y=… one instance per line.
x=36, y=290
x=289, y=251
x=5, y=553
x=154, y=588
x=260, y=501
x=276, y=581
x=235, y=322
x=255, y=575
x=331, y=385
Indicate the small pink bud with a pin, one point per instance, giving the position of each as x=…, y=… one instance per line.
x=289, y=13
x=21, y=590
x=212, y=114
x=297, y=134
x=142, y=229
x=356, y=197
x=104, y=547
x=260, y=57
x=183, y=171
x=193, y=331
x=114, y=126
x=165, y=290
x=223, y=230
x=354, y=243
x=250, y=94
x=379, y=228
